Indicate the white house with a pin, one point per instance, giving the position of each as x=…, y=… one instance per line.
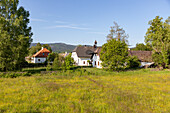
x=40, y=56
x=96, y=62
x=82, y=55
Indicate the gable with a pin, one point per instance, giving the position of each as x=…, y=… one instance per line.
x=42, y=53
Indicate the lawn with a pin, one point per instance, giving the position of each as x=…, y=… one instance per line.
x=87, y=90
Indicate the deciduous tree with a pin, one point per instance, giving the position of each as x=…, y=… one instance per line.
x=117, y=33
x=114, y=54
x=142, y=47
x=158, y=36
x=15, y=36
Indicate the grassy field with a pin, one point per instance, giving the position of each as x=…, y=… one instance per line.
x=87, y=90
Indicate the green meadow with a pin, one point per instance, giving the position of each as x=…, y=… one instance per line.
x=87, y=90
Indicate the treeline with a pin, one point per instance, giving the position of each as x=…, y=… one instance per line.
x=114, y=53
x=35, y=49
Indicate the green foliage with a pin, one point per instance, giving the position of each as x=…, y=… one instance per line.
x=133, y=62
x=15, y=35
x=158, y=59
x=158, y=36
x=69, y=61
x=114, y=54
x=49, y=67
x=35, y=49
x=58, y=62
x=14, y=74
x=142, y=47
x=51, y=57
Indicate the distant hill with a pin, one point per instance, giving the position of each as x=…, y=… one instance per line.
x=58, y=47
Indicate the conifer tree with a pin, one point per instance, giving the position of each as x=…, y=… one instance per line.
x=15, y=35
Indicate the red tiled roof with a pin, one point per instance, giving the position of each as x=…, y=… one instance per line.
x=42, y=53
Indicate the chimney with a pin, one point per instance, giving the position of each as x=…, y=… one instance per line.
x=42, y=48
x=95, y=44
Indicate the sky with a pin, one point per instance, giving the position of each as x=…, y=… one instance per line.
x=84, y=21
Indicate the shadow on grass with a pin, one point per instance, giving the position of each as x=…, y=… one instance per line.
x=34, y=70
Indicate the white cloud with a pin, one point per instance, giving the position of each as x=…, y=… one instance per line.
x=37, y=20
x=60, y=22
x=67, y=26
x=100, y=33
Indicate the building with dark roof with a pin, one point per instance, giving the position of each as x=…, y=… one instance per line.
x=83, y=54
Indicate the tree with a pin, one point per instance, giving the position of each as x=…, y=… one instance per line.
x=142, y=47
x=133, y=62
x=15, y=35
x=58, y=62
x=69, y=61
x=35, y=49
x=158, y=36
x=117, y=33
x=47, y=47
x=114, y=54
x=51, y=57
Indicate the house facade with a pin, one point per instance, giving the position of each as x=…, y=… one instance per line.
x=87, y=55
x=40, y=56
x=96, y=62
x=82, y=55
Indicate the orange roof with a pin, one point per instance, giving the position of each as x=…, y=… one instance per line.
x=42, y=53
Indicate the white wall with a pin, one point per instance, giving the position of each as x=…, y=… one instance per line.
x=38, y=59
x=83, y=61
x=80, y=61
x=96, y=59
x=75, y=57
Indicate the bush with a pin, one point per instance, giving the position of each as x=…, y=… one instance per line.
x=13, y=74
x=133, y=62
x=49, y=67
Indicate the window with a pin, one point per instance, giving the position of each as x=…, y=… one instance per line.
x=84, y=62
x=43, y=54
x=95, y=63
x=38, y=59
x=98, y=63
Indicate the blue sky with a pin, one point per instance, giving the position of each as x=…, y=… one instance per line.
x=83, y=21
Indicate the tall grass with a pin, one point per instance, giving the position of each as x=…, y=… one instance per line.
x=87, y=90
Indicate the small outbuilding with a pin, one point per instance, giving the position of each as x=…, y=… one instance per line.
x=40, y=56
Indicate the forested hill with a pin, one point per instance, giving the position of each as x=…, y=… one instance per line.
x=58, y=47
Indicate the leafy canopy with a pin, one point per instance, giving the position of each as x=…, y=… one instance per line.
x=142, y=47
x=158, y=37
x=15, y=35
x=114, y=54
x=38, y=47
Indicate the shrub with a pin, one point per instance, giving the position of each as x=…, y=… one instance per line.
x=49, y=67
x=133, y=62
x=13, y=74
